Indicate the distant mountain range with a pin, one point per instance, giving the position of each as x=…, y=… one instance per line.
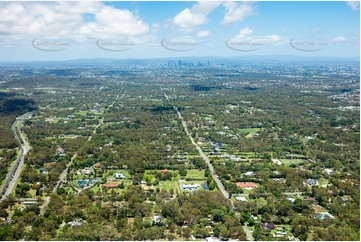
x=214, y=61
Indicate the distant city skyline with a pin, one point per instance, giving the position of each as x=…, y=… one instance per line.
x=51, y=31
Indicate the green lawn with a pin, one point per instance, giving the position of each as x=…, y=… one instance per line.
x=261, y=201
x=248, y=131
x=289, y=162
x=322, y=182
x=167, y=185
x=110, y=173
x=95, y=188
x=32, y=192
x=200, y=182
x=149, y=177
x=246, y=191
x=195, y=174
x=82, y=113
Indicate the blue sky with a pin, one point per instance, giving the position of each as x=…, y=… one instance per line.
x=72, y=30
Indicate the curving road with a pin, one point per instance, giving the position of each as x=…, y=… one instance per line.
x=15, y=171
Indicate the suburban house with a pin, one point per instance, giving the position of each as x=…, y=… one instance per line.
x=30, y=202
x=43, y=171
x=249, y=173
x=311, y=182
x=291, y=199
x=279, y=234
x=119, y=176
x=76, y=222
x=86, y=171
x=157, y=219
x=60, y=151
x=246, y=185
x=109, y=185
x=328, y=171
x=324, y=215
x=268, y=226
x=189, y=187
x=241, y=199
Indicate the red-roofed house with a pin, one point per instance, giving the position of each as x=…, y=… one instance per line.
x=246, y=185
x=109, y=185
x=164, y=171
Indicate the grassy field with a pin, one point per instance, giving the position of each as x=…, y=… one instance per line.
x=110, y=173
x=248, y=131
x=200, y=182
x=289, y=162
x=195, y=174
x=82, y=113
x=149, y=177
x=95, y=188
x=261, y=201
x=322, y=182
x=167, y=185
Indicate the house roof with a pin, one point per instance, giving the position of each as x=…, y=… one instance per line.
x=311, y=181
x=268, y=226
x=189, y=186
x=246, y=185
x=109, y=185
x=249, y=173
x=243, y=199
x=324, y=215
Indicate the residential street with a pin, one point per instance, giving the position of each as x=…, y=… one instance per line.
x=208, y=162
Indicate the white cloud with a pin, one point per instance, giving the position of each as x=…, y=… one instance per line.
x=203, y=33
x=315, y=30
x=155, y=28
x=111, y=21
x=262, y=39
x=189, y=19
x=67, y=20
x=236, y=11
x=245, y=35
x=354, y=5
x=339, y=39
x=245, y=31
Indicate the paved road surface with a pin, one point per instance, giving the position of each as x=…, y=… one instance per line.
x=248, y=233
x=210, y=167
x=14, y=173
x=62, y=178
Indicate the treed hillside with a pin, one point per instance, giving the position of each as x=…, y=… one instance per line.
x=11, y=106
